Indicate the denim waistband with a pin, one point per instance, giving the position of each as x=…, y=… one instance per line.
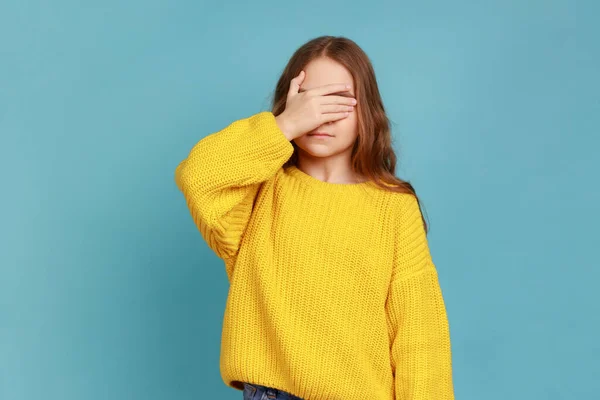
x=253, y=391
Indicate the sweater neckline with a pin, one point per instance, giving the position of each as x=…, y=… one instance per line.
x=311, y=181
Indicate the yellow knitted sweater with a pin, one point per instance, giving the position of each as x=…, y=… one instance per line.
x=332, y=290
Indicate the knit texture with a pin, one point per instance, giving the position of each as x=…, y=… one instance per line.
x=333, y=293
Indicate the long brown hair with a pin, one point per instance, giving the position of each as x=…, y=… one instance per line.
x=372, y=153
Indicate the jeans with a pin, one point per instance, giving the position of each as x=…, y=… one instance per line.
x=252, y=391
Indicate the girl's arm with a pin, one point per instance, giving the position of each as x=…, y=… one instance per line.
x=222, y=175
x=417, y=320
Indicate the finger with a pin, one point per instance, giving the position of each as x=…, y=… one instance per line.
x=330, y=117
x=331, y=88
x=332, y=99
x=295, y=83
x=335, y=108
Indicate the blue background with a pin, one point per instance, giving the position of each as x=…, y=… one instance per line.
x=107, y=290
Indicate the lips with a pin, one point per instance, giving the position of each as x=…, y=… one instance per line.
x=319, y=134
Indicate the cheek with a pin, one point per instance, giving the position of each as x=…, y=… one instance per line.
x=348, y=126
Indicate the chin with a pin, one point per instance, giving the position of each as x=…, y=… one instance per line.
x=320, y=151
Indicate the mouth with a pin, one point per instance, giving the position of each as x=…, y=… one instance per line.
x=320, y=134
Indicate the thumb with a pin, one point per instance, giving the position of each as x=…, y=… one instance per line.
x=295, y=84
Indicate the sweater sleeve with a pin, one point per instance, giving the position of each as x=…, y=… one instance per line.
x=222, y=174
x=418, y=325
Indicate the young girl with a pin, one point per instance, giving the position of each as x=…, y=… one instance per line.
x=333, y=292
